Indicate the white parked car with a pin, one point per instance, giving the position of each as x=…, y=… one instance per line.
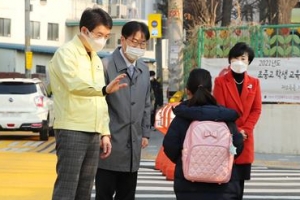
x=25, y=106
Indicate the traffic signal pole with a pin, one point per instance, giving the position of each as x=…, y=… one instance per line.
x=27, y=53
x=158, y=57
x=175, y=35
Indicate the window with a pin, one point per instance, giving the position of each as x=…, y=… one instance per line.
x=17, y=88
x=111, y=41
x=5, y=27
x=35, y=30
x=53, y=31
x=40, y=69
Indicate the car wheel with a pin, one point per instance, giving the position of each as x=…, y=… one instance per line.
x=51, y=131
x=44, y=132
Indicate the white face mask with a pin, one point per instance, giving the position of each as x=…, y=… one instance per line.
x=134, y=53
x=96, y=44
x=239, y=66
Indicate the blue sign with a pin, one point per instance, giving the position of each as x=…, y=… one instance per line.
x=154, y=23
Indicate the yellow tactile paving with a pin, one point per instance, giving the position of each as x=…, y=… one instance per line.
x=26, y=176
x=4, y=144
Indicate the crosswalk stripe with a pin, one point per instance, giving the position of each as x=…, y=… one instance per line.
x=169, y=183
x=150, y=188
x=250, y=183
x=274, y=171
x=271, y=190
x=28, y=146
x=155, y=196
x=152, y=177
x=265, y=184
x=271, y=197
x=39, y=147
x=49, y=148
x=275, y=174
x=275, y=179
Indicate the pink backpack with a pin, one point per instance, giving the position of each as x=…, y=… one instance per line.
x=208, y=152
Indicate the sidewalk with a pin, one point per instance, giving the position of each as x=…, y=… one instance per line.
x=261, y=159
x=277, y=160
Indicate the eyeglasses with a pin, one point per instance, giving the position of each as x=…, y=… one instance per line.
x=100, y=35
x=135, y=43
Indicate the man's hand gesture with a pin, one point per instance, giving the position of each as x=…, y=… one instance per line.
x=115, y=84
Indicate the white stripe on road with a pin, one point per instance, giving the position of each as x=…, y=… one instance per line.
x=272, y=190
x=155, y=196
x=149, y=173
x=15, y=149
x=33, y=144
x=275, y=170
x=253, y=183
x=275, y=174
x=265, y=184
x=276, y=179
x=169, y=183
x=13, y=144
x=271, y=197
x=153, y=177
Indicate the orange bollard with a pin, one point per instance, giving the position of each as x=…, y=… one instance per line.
x=159, y=157
x=163, y=119
x=170, y=172
x=163, y=161
x=165, y=165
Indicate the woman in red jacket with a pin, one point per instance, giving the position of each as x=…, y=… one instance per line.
x=241, y=92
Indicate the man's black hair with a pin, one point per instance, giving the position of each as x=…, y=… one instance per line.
x=93, y=17
x=130, y=28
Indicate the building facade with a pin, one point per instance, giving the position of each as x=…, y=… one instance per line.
x=52, y=23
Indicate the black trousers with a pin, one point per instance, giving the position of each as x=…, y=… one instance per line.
x=153, y=113
x=242, y=185
x=115, y=185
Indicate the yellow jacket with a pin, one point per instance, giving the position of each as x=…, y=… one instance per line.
x=76, y=81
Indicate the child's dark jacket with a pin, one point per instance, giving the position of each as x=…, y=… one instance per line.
x=173, y=142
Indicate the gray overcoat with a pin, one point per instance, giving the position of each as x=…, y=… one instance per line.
x=129, y=111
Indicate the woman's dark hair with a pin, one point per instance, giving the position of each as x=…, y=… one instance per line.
x=199, y=84
x=130, y=28
x=93, y=17
x=239, y=49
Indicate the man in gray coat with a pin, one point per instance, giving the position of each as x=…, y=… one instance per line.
x=129, y=112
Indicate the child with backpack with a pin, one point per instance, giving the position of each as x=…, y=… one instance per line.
x=193, y=178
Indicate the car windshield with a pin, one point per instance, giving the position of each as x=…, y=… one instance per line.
x=17, y=88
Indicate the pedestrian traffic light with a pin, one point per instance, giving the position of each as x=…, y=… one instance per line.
x=155, y=25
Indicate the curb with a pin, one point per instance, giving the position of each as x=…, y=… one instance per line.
x=277, y=164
